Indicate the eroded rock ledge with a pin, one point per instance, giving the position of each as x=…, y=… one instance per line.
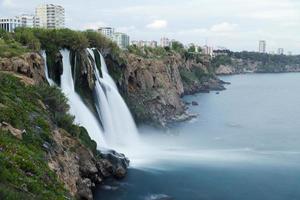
x=79, y=168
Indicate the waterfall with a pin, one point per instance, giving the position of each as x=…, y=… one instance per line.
x=118, y=130
x=49, y=80
x=119, y=127
x=83, y=116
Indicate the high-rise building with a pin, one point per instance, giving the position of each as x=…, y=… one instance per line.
x=51, y=16
x=10, y=24
x=164, y=42
x=207, y=50
x=280, y=51
x=30, y=21
x=107, y=32
x=122, y=40
x=262, y=46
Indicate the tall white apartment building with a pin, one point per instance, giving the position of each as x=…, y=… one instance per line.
x=122, y=40
x=10, y=24
x=107, y=32
x=164, y=42
x=262, y=46
x=51, y=16
x=207, y=50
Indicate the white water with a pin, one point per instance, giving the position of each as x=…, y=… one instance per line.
x=83, y=116
x=119, y=127
x=49, y=80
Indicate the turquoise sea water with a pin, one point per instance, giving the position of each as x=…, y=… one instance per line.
x=244, y=145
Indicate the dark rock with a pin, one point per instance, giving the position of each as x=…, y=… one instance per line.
x=194, y=103
x=46, y=146
x=120, y=172
x=84, y=189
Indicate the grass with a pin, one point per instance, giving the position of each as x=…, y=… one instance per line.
x=11, y=48
x=24, y=171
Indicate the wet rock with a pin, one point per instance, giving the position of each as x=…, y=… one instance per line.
x=120, y=172
x=84, y=189
x=194, y=103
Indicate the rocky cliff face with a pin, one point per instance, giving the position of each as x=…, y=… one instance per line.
x=79, y=168
x=241, y=66
x=153, y=87
x=30, y=65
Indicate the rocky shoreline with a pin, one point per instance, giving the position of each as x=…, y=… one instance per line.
x=242, y=66
x=153, y=87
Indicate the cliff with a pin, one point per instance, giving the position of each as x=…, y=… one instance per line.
x=154, y=84
x=43, y=155
x=252, y=62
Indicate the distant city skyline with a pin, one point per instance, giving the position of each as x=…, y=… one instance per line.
x=233, y=24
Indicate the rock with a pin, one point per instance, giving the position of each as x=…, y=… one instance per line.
x=225, y=70
x=120, y=172
x=87, y=164
x=79, y=169
x=15, y=132
x=46, y=146
x=29, y=67
x=84, y=189
x=194, y=103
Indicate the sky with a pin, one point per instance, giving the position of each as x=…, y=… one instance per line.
x=234, y=24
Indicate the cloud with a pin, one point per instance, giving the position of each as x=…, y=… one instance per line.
x=8, y=3
x=126, y=29
x=224, y=27
x=157, y=24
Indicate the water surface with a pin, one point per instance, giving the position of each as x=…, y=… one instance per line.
x=244, y=145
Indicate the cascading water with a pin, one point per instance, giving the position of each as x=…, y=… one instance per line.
x=49, y=80
x=119, y=127
x=119, y=130
x=83, y=116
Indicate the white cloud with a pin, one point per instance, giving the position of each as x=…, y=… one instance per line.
x=223, y=27
x=157, y=24
x=8, y=3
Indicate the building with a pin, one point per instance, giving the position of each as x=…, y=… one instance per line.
x=164, y=42
x=262, y=46
x=51, y=16
x=10, y=24
x=30, y=21
x=107, y=32
x=280, y=51
x=142, y=43
x=152, y=44
x=207, y=50
x=122, y=40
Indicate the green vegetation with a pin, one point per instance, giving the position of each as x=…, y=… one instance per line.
x=221, y=60
x=189, y=77
x=10, y=48
x=269, y=62
x=37, y=111
x=148, y=52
